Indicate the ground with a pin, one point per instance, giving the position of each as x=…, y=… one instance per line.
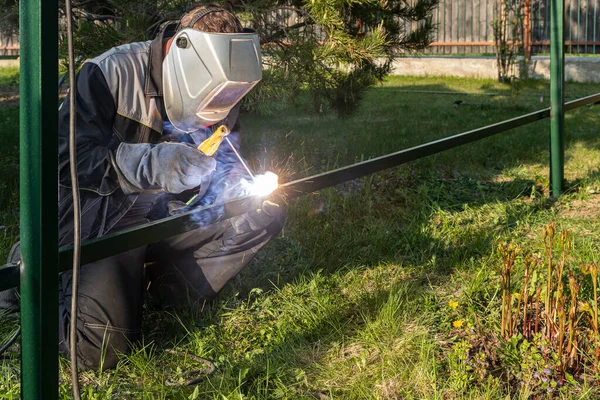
x=365, y=293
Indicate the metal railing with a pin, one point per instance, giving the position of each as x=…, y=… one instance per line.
x=41, y=258
x=97, y=249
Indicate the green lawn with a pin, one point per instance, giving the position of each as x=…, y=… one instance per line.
x=364, y=294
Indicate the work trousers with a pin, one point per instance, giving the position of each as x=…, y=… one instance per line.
x=190, y=268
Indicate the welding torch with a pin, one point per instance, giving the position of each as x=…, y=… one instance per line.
x=210, y=146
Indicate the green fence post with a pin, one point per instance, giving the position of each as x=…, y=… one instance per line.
x=557, y=97
x=39, y=194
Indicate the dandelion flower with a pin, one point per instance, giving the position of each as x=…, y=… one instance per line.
x=458, y=323
x=453, y=304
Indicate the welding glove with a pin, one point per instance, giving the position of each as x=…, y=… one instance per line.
x=256, y=220
x=164, y=167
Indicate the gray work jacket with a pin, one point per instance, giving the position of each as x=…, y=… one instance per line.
x=119, y=99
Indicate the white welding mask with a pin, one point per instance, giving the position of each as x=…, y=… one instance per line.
x=206, y=74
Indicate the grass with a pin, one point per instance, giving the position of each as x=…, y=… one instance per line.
x=9, y=77
x=352, y=302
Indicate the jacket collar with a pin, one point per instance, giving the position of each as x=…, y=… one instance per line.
x=154, y=86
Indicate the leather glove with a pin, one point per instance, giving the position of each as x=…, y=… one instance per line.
x=165, y=167
x=256, y=220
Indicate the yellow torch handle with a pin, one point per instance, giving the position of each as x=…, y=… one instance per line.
x=211, y=145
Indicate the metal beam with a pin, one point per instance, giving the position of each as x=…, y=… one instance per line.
x=557, y=97
x=39, y=209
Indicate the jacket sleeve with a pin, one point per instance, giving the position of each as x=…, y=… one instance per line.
x=96, y=111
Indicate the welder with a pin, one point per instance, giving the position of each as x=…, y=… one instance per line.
x=142, y=110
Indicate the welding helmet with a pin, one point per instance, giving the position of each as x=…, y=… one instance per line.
x=206, y=74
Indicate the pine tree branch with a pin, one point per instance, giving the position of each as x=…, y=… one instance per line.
x=84, y=3
x=96, y=17
x=282, y=32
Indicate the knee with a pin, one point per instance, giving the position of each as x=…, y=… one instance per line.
x=9, y=301
x=100, y=349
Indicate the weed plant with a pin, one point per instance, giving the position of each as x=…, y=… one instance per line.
x=548, y=333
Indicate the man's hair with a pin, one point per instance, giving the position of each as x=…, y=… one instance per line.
x=214, y=19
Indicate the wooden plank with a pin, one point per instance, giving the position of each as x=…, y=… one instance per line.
x=545, y=14
x=483, y=25
x=589, y=25
x=594, y=24
x=454, y=23
x=569, y=25
x=476, y=27
x=436, y=23
x=460, y=25
x=469, y=24
x=591, y=18
x=527, y=29
x=490, y=6
x=578, y=31
x=448, y=28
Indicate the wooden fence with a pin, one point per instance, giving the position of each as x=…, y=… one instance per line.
x=465, y=27
x=9, y=45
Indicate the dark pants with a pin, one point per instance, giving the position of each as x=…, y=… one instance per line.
x=189, y=268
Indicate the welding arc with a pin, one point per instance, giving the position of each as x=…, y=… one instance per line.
x=240, y=157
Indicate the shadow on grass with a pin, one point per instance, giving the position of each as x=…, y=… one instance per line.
x=340, y=240
x=301, y=143
x=288, y=354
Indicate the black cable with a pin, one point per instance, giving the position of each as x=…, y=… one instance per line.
x=76, y=204
x=10, y=341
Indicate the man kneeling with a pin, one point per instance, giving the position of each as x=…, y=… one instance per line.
x=142, y=110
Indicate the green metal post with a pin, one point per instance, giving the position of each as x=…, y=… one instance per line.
x=557, y=96
x=39, y=194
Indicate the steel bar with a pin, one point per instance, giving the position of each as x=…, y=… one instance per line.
x=557, y=97
x=39, y=209
x=135, y=237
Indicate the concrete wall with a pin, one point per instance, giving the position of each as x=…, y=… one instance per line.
x=9, y=63
x=578, y=69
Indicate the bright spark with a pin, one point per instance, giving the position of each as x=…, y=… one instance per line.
x=262, y=185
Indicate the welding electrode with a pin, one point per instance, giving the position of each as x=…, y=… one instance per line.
x=211, y=145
